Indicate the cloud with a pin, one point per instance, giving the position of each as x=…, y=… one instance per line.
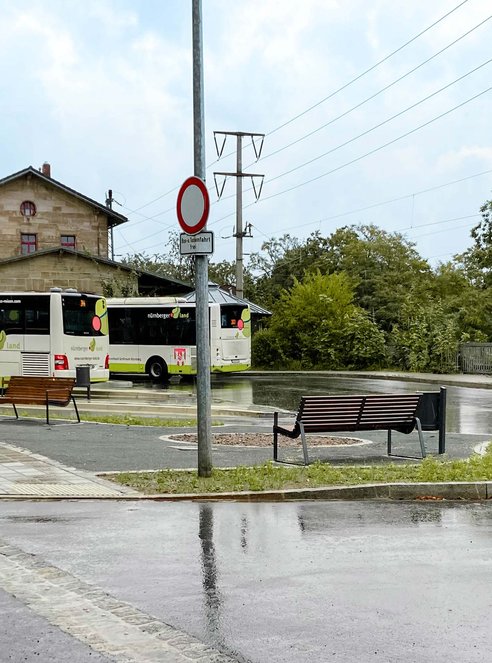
x=454, y=159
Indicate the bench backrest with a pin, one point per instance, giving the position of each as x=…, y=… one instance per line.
x=352, y=413
x=27, y=387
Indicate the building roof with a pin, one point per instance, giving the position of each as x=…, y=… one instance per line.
x=114, y=219
x=147, y=281
x=219, y=296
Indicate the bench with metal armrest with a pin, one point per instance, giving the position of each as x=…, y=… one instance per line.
x=342, y=413
x=27, y=390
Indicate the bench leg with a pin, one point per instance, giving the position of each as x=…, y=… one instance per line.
x=47, y=412
x=304, y=444
x=15, y=410
x=421, y=437
x=76, y=409
x=421, y=440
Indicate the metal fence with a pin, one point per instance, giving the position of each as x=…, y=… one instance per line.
x=476, y=358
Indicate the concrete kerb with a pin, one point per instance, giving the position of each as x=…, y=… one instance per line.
x=451, y=491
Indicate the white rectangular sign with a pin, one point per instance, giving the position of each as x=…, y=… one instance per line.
x=199, y=244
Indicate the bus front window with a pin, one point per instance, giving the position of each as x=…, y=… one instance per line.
x=79, y=315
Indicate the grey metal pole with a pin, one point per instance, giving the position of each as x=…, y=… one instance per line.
x=239, y=218
x=201, y=262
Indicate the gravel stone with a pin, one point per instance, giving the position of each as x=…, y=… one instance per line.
x=266, y=440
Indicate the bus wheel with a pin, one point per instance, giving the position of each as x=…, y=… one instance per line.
x=157, y=369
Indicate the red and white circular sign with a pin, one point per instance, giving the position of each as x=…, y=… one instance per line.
x=193, y=205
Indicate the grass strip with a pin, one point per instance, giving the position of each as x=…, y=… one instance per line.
x=122, y=419
x=273, y=477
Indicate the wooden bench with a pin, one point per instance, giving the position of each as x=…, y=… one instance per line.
x=24, y=390
x=331, y=414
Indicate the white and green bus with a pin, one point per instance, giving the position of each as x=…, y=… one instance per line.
x=157, y=336
x=52, y=333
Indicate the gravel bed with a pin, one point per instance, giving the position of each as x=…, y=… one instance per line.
x=266, y=440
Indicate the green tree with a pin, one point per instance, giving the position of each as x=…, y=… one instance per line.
x=458, y=296
x=426, y=339
x=477, y=260
x=312, y=323
x=384, y=267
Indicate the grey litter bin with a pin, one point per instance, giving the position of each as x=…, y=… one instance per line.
x=83, y=378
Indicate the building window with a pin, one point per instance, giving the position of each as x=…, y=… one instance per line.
x=68, y=241
x=28, y=209
x=28, y=244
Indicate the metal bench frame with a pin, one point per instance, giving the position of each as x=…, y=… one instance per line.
x=341, y=413
x=27, y=390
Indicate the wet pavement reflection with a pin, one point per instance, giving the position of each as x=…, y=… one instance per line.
x=296, y=582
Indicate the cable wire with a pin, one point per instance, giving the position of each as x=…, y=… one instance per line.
x=377, y=126
x=366, y=71
x=373, y=151
x=331, y=95
x=373, y=96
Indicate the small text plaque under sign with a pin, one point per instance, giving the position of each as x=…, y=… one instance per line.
x=199, y=244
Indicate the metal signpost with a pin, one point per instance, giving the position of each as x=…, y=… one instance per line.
x=194, y=219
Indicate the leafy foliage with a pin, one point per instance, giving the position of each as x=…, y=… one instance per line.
x=477, y=261
x=313, y=325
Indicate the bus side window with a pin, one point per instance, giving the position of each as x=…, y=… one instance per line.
x=37, y=316
x=11, y=320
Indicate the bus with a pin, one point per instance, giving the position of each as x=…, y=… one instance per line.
x=52, y=333
x=157, y=336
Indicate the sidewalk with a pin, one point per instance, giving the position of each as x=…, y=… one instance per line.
x=27, y=475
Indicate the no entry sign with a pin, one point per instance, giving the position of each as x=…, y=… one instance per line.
x=193, y=205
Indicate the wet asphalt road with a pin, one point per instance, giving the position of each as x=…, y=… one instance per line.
x=108, y=447
x=98, y=447
x=297, y=582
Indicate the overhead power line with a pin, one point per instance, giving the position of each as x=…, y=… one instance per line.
x=373, y=151
x=376, y=94
x=381, y=124
x=299, y=258
x=367, y=71
x=332, y=94
x=341, y=214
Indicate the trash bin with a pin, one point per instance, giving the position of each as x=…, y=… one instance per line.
x=432, y=414
x=83, y=378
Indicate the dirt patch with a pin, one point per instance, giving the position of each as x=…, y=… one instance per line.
x=266, y=440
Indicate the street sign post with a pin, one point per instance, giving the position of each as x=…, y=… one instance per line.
x=193, y=205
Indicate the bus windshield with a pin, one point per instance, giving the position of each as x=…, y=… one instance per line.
x=79, y=316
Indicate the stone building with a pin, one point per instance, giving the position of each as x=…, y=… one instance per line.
x=52, y=235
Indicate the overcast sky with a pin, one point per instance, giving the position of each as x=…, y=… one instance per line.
x=102, y=89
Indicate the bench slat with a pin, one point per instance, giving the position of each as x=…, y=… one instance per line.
x=27, y=390
x=351, y=413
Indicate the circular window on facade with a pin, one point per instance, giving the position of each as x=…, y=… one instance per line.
x=28, y=208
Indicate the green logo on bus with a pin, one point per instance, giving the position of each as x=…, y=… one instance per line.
x=244, y=324
x=100, y=320
x=3, y=338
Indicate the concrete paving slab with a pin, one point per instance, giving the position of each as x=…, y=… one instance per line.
x=23, y=473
